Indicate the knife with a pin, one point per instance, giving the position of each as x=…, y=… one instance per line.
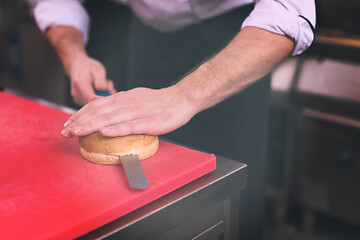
x=134, y=172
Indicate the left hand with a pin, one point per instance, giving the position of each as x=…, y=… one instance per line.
x=137, y=111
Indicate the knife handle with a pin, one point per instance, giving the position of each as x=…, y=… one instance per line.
x=103, y=94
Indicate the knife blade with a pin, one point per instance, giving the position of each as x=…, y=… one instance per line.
x=134, y=172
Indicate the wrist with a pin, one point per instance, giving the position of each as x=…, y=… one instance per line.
x=68, y=44
x=71, y=60
x=190, y=93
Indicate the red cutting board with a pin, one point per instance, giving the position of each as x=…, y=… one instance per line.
x=48, y=191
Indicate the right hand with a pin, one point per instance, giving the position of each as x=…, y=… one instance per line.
x=86, y=76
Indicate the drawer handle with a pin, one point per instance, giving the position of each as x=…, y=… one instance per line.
x=318, y=115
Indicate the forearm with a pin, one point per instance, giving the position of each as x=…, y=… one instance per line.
x=249, y=56
x=68, y=44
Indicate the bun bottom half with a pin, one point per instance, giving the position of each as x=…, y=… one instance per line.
x=103, y=150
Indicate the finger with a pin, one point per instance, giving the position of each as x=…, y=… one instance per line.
x=66, y=133
x=82, y=90
x=108, y=117
x=138, y=126
x=99, y=78
x=123, y=129
x=111, y=87
x=97, y=102
x=82, y=111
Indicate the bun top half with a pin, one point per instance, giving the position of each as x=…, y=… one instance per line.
x=142, y=145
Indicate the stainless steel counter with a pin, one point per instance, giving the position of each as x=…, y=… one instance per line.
x=206, y=208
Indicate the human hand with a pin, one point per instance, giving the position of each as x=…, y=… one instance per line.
x=86, y=75
x=137, y=111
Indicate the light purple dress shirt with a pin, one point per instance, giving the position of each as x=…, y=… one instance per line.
x=293, y=18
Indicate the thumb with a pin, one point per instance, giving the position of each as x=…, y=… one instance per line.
x=99, y=79
x=82, y=90
x=111, y=87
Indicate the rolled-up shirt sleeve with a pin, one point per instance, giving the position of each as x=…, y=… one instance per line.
x=293, y=18
x=50, y=13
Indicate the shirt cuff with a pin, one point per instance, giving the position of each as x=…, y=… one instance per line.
x=62, y=13
x=283, y=18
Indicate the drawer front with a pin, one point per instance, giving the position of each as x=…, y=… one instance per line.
x=328, y=165
x=206, y=225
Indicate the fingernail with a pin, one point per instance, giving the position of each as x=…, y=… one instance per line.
x=106, y=130
x=65, y=132
x=67, y=123
x=76, y=129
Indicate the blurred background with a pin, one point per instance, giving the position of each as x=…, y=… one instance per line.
x=313, y=157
